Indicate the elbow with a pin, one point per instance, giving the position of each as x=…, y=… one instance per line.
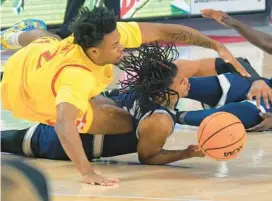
x=144, y=161
x=160, y=32
x=147, y=160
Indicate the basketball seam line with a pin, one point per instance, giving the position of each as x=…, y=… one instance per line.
x=206, y=125
x=218, y=132
x=217, y=158
x=227, y=145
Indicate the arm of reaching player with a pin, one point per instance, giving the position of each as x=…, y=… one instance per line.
x=153, y=132
x=216, y=66
x=72, y=102
x=134, y=34
x=258, y=38
x=183, y=34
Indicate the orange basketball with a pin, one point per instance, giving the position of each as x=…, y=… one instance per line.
x=221, y=136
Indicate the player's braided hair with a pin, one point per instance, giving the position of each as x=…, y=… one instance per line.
x=150, y=71
x=90, y=27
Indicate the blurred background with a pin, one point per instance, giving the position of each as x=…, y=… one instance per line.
x=185, y=11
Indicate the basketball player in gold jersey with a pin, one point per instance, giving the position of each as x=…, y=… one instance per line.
x=51, y=81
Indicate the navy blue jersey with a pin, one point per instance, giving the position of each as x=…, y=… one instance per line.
x=44, y=142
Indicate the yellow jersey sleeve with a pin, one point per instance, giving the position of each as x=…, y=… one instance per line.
x=75, y=87
x=131, y=36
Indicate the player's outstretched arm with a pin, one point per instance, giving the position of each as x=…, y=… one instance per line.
x=72, y=145
x=258, y=38
x=153, y=132
x=183, y=34
x=72, y=102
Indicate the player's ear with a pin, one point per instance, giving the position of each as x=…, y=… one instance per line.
x=94, y=51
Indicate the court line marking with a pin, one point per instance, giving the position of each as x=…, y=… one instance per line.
x=127, y=197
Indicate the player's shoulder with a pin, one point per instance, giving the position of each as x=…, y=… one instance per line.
x=126, y=26
x=78, y=72
x=160, y=122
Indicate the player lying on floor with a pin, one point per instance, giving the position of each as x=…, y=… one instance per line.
x=257, y=38
x=151, y=97
x=228, y=92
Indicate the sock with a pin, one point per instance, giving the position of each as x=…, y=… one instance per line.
x=180, y=117
x=12, y=141
x=12, y=39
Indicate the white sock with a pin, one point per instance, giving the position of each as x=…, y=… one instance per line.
x=13, y=39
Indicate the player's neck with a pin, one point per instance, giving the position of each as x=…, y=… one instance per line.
x=95, y=60
x=172, y=104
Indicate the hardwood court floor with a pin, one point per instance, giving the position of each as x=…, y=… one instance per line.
x=248, y=177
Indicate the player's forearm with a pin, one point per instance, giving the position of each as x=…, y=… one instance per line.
x=72, y=145
x=183, y=34
x=258, y=38
x=165, y=157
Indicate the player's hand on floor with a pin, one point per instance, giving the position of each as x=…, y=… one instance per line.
x=265, y=125
x=195, y=151
x=219, y=16
x=259, y=89
x=95, y=179
x=225, y=54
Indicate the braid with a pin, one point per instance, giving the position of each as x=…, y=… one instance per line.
x=150, y=71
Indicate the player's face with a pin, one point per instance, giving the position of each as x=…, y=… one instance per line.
x=111, y=50
x=181, y=84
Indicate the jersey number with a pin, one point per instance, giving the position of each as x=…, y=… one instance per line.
x=47, y=56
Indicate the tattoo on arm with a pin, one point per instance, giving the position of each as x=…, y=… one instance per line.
x=164, y=152
x=189, y=38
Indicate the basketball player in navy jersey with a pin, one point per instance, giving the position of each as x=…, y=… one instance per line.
x=151, y=97
x=226, y=92
x=258, y=38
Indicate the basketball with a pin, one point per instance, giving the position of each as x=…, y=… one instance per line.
x=221, y=136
